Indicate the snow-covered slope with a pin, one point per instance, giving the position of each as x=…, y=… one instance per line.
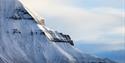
x=22, y=41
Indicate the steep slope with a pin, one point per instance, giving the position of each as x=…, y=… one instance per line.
x=22, y=41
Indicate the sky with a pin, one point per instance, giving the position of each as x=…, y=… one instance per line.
x=90, y=21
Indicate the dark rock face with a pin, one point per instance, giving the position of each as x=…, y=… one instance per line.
x=22, y=42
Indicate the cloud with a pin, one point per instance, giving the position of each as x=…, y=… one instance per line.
x=119, y=30
x=99, y=47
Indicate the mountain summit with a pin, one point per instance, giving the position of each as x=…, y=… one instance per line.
x=24, y=38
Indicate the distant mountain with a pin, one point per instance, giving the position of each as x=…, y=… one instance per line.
x=117, y=55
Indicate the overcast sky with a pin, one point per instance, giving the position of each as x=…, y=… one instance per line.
x=93, y=21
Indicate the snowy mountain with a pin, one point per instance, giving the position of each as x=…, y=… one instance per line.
x=23, y=39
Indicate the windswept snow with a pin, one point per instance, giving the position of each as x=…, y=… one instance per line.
x=22, y=41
